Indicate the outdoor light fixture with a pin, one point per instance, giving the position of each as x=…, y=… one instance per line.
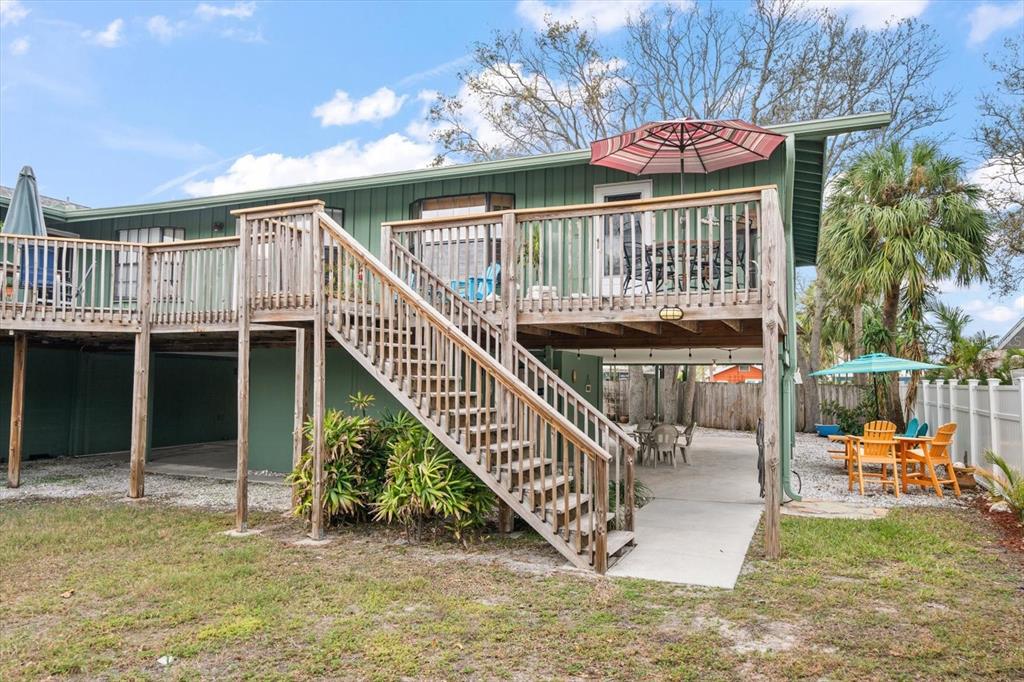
x=218, y=227
x=670, y=313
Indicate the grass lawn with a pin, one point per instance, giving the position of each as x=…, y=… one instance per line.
x=97, y=588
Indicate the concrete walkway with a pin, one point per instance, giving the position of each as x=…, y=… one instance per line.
x=215, y=460
x=698, y=528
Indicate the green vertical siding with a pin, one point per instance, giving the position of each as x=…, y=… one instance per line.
x=79, y=402
x=272, y=389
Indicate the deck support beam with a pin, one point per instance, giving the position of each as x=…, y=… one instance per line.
x=303, y=397
x=509, y=336
x=141, y=384
x=316, y=525
x=17, y=411
x=244, y=318
x=771, y=395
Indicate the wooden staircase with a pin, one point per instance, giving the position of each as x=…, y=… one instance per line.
x=537, y=444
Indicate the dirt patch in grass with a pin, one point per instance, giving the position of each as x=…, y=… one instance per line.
x=922, y=594
x=1008, y=523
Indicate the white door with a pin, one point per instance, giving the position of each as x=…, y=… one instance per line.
x=609, y=275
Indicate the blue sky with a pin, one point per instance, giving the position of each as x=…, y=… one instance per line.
x=117, y=103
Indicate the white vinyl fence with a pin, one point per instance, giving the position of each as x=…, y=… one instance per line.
x=988, y=417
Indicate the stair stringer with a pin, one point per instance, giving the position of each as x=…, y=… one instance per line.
x=510, y=498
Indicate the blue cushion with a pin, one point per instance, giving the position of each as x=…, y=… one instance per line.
x=923, y=431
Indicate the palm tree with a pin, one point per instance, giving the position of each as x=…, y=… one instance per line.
x=897, y=222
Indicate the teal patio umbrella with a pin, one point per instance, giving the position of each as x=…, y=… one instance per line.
x=875, y=363
x=25, y=212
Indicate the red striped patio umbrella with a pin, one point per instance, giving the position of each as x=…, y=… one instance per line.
x=687, y=145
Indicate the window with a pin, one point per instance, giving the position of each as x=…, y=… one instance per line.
x=126, y=265
x=337, y=215
x=475, y=247
x=461, y=204
x=744, y=368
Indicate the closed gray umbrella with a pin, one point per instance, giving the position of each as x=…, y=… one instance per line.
x=25, y=213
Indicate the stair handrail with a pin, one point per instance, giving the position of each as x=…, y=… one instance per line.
x=481, y=321
x=590, y=448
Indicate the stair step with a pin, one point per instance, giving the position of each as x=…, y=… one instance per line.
x=581, y=539
x=526, y=464
x=575, y=505
x=515, y=445
x=546, y=483
x=618, y=539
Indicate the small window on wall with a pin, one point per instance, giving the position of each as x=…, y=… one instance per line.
x=126, y=265
x=465, y=251
x=337, y=215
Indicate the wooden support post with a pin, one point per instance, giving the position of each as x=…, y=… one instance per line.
x=140, y=382
x=303, y=397
x=319, y=387
x=242, y=288
x=771, y=392
x=17, y=411
x=509, y=315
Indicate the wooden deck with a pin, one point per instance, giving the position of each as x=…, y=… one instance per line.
x=435, y=321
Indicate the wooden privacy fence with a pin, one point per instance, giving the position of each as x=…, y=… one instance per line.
x=988, y=417
x=721, y=405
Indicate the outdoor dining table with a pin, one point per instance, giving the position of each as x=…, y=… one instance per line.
x=903, y=445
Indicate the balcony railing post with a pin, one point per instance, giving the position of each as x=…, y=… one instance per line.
x=509, y=312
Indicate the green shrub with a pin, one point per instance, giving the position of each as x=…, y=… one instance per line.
x=850, y=419
x=1007, y=487
x=425, y=481
x=346, y=490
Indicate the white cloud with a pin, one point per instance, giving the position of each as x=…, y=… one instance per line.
x=995, y=312
x=19, y=46
x=12, y=12
x=987, y=18
x=343, y=110
x=995, y=177
x=434, y=71
x=347, y=159
x=874, y=14
x=242, y=35
x=239, y=10
x=109, y=37
x=601, y=15
x=151, y=142
x=161, y=28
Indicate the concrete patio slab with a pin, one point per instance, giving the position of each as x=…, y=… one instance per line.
x=698, y=528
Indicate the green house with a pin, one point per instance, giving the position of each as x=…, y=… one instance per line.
x=156, y=290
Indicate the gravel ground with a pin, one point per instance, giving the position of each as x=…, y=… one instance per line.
x=822, y=478
x=85, y=476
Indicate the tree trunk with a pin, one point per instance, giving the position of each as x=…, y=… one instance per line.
x=812, y=402
x=858, y=338
x=637, y=394
x=890, y=315
x=669, y=394
x=690, y=395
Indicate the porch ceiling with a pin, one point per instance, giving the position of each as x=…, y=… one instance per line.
x=734, y=333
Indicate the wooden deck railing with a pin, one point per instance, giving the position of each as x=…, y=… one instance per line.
x=686, y=250
x=193, y=283
x=51, y=281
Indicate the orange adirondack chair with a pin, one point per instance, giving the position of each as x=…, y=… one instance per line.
x=921, y=462
x=877, y=446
